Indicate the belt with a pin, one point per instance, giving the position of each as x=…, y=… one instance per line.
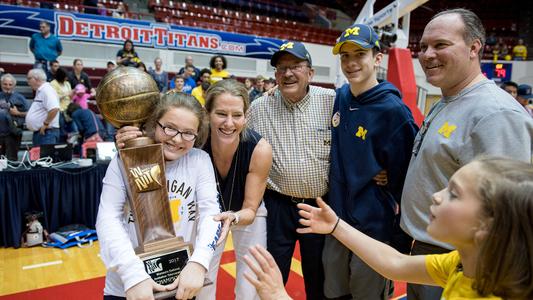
x=48, y=129
x=292, y=199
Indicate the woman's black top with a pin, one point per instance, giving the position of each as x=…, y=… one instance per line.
x=233, y=185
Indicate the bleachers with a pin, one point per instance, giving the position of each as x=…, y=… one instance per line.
x=502, y=20
x=20, y=71
x=269, y=18
x=95, y=75
x=279, y=9
x=203, y=16
x=217, y=18
x=64, y=5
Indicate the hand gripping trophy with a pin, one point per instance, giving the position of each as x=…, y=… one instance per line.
x=127, y=96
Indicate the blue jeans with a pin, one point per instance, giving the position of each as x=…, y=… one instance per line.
x=43, y=64
x=110, y=132
x=50, y=136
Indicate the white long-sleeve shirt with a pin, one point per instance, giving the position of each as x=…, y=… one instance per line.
x=193, y=202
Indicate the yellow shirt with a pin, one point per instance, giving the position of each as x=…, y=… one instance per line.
x=520, y=51
x=218, y=75
x=198, y=93
x=443, y=269
x=63, y=92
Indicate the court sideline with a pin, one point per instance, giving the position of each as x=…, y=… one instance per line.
x=49, y=273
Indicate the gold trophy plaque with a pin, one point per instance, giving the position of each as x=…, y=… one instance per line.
x=127, y=96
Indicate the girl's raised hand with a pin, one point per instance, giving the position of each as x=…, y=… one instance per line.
x=321, y=219
x=267, y=280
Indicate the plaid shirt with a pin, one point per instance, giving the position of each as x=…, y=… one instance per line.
x=300, y=135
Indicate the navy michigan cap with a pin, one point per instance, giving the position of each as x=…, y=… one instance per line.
x=360, y=34
x=524, y=90
x=295, y=48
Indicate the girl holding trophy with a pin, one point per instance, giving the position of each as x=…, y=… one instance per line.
x=178, y=122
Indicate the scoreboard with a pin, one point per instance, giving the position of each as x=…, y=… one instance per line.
x=499, y=72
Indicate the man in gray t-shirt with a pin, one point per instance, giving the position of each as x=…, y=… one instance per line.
x=474, y=117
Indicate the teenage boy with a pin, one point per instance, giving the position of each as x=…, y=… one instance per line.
x=372, y=130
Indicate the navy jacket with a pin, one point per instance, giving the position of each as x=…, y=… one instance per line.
x=9, y=100
x=88, y=123
x=370, y=132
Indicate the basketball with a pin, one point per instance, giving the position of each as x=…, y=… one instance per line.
x=126, y=96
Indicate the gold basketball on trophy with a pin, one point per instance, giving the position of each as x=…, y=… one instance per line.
x=126, y=96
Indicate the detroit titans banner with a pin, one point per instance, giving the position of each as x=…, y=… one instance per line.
x=24, y=21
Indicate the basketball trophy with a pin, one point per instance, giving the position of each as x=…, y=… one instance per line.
x=127, y=96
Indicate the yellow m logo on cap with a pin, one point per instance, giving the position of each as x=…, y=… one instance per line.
x=352, y=31
x=288, y=45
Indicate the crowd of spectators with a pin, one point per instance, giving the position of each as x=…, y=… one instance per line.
x=499, y=48
x=496, y=48
x=190, y=79
x=75, y=87
x=68, y=97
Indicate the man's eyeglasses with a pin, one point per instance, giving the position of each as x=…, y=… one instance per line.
x=187, y=136
x=294, y=68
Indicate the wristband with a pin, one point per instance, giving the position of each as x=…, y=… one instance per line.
x=336, y=224
x=46, y=123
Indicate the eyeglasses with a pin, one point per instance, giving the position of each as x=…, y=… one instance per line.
x=185, y=135
x=294, y=68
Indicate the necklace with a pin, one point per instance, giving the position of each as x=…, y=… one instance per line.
x=232, y=181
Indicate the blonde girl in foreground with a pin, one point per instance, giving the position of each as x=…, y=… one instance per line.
x=486, y=213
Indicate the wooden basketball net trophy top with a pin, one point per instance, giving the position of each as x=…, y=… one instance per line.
x=127, y=96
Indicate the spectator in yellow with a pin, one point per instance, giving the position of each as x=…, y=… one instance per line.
x=63, y=88
x=199, y=91
x=218, y=66
x=520, y=50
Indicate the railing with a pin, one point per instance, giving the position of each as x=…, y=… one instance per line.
x=421, y=95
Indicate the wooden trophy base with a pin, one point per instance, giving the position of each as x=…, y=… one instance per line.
x=164, y=260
